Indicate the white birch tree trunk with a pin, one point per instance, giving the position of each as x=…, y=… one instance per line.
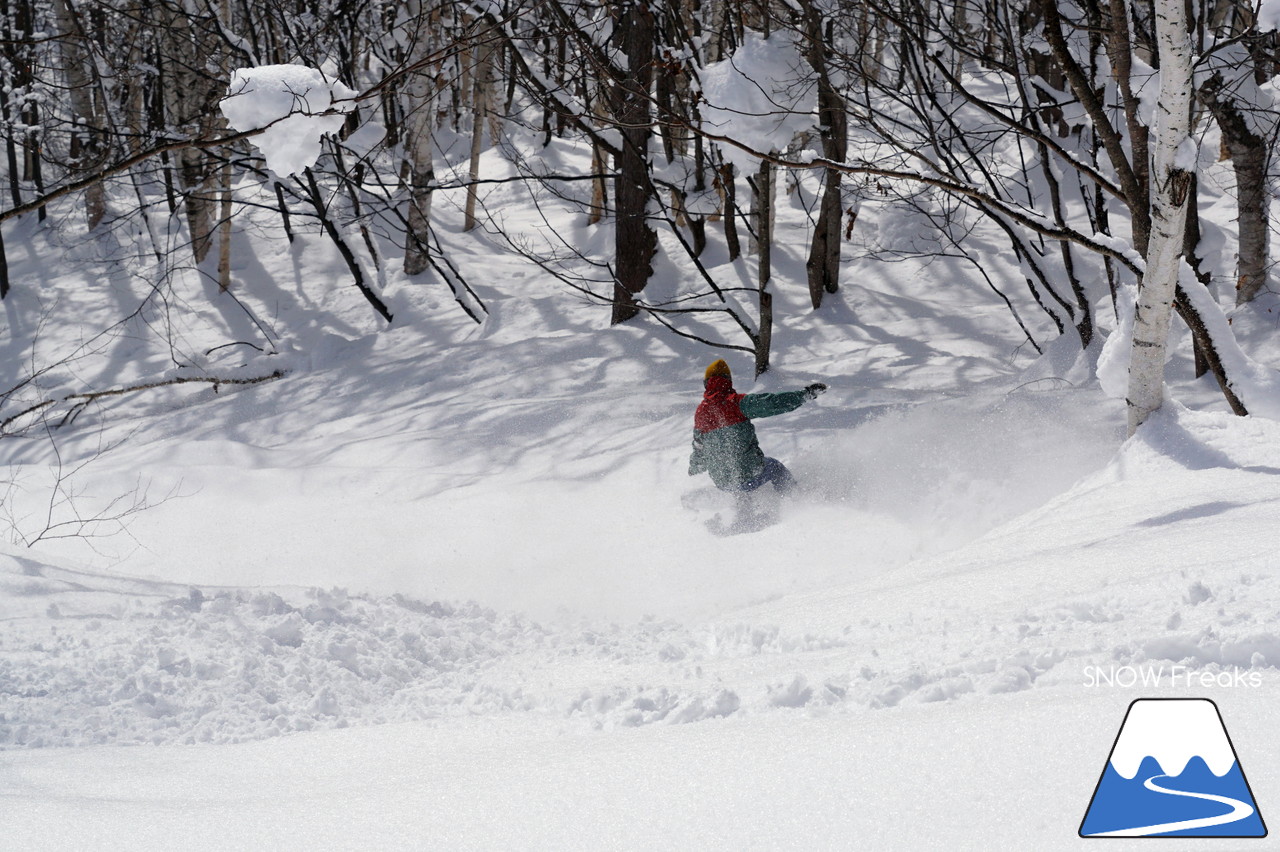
x=224, y=217
x=80, y=89
x=184, y=93
x=482, y=88
x=422, y=176
x=1172, y=166
x=420, y=118
x=599, y=163
x=224, y=231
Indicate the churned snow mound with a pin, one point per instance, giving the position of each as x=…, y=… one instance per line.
x=117, y=661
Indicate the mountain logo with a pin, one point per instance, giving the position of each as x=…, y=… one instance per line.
x=1172, y=772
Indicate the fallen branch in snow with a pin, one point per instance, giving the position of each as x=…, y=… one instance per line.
x=236, y=343
x=83, y=399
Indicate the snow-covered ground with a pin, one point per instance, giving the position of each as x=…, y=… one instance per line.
x=449, y=586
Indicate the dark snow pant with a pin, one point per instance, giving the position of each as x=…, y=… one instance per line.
x=775, y=472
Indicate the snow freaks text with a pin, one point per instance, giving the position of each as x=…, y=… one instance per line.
x=1173, y=676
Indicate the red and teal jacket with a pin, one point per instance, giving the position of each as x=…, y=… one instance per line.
x=724, y=441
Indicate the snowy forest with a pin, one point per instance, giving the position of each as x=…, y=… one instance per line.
x=1070, y=133
x=350, y=360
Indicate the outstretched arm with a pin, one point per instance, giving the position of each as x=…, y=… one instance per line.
x=755, y=405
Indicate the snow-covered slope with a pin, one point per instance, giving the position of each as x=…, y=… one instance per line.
x=818, y=716
x=475, y=550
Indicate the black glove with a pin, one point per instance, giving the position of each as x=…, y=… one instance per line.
x=813, y=390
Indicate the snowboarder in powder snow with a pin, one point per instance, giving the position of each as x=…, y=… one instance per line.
x=724, y=441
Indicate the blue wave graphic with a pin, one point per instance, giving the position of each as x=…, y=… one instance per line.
x=1154, y=800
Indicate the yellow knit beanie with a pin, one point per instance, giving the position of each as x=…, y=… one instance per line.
x=718, y=368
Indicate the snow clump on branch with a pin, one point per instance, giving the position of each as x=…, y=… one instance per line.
x=1268, y=15
x=295, y=104
x=760, y=97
